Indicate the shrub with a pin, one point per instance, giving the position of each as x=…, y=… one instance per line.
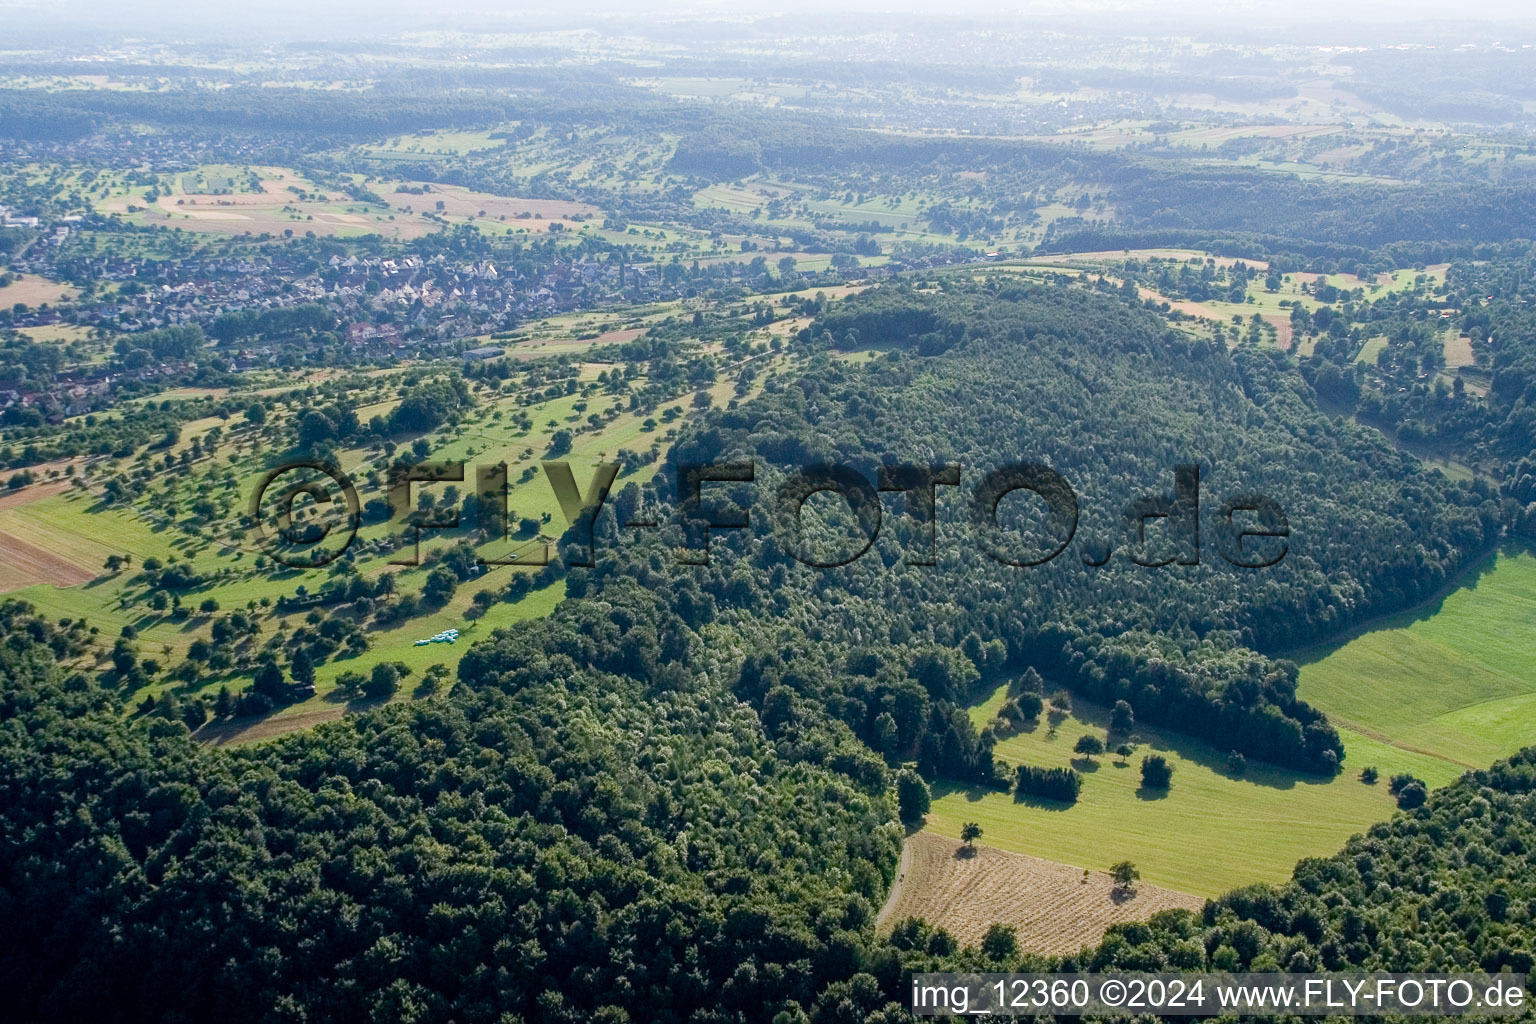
x=912, y=797
x=1156, y=772
x=1062, y=784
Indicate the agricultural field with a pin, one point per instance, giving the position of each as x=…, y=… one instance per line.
x=1432, y=692
x=457, y=204
x=1453, y=679
x=1187, y=839
x=258, y=200
x=1054, y=908
x=32, y=290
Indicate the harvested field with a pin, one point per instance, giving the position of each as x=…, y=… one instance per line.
x=23, y=564
x=287, y=201
x=246, y=730
x=1458, y=350
x=1283, y=329
x=32, y=290
x=1050, y=905
x=1182, y=305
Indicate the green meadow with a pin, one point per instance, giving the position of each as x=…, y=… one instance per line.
x=1431, y=692
x=1455, y=679
x=1187, y=838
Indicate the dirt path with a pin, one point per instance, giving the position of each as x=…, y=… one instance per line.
x=895, y=899
x=1054, y=907
x=268, y=728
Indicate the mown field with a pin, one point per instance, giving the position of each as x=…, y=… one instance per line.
x=1455, y=679
x=1209, y=832
x=1054, y=908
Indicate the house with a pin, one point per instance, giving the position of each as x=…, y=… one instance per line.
x=484, y=352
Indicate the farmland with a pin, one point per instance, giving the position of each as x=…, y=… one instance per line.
x=255, y=200
x=1054, y=908
x=1187, y=839
x=1453, y=679
x=31, y=290
x=1429, y=692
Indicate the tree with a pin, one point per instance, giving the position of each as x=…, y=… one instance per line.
x=1000, y=944
x=1121, y=718
x=1237, y=764
x=439, y=586
x=383, y=681
x=1124, y=751
x=351, y=682
x=269, y=681
x=1369, y=775
x=969, y=833
x=1124, y=874
x=256, y=414
x=1156, y=772
x=315, y=427
x=1061, y=784
x=194, y=713
x=1412, y=795
x=224, y=703
x=303, y=668
x=1027, y=706
x=1089, y=746
x=912, y=797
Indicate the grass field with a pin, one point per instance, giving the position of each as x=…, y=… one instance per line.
x=1210, y=831
x=1371, y=351
x=31, y=290
x=1455, y=679
x=1431, y=692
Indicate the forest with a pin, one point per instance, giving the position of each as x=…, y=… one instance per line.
x=679, y=788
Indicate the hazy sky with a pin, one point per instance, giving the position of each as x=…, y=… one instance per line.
x=312, y=19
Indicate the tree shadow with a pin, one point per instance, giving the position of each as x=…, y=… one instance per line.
x=1148, y=739
x=1085, y=765
x=1119, y=896
x=1152, y=793
x=1041, y=803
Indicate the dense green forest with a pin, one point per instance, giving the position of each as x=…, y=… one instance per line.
x=1109, y=398
x=563, y=838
